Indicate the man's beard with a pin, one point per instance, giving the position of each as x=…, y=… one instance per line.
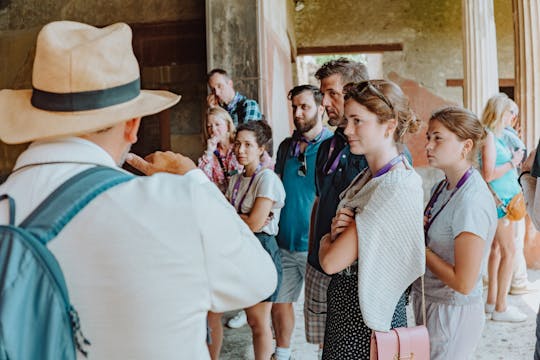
x=306, y=125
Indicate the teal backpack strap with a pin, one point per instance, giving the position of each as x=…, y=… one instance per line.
x=11, y=207
x=50, y=217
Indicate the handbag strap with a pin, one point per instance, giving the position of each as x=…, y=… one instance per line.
x=423, y=302
x=498, y=200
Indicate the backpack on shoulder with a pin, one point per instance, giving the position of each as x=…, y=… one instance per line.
x=37, y=320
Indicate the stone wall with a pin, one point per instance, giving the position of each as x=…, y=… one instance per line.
x=20, y=21
x=430, y=32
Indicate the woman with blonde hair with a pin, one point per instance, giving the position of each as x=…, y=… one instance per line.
x=376, y=246
x=498, y=167
x=218, y=161
x=459, y=222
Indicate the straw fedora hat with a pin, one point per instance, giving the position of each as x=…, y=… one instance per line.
x=84, y=79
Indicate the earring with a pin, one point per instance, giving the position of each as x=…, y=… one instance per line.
x=463, y=154
x=386, y=134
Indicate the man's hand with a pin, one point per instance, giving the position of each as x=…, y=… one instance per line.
x=340, y=222
x=527, y=164
x=161, y=162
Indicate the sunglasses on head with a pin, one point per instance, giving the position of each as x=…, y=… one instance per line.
x=302, y=170
x=354, y=90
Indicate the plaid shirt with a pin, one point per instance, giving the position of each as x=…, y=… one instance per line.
x=243, y=109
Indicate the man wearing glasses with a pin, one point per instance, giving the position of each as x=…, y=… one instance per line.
x=296, y=166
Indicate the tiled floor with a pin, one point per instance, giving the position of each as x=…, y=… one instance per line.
x=499, y=340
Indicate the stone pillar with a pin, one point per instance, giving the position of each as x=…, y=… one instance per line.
x=527, y=94
x=480, y=71
x=527, y=75
x=232, y=42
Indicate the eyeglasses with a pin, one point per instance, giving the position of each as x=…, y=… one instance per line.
x=302, y=170
x=355, y=90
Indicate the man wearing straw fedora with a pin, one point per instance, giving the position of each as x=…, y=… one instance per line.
x=141, y=266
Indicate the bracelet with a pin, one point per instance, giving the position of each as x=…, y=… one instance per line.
x=523, y=173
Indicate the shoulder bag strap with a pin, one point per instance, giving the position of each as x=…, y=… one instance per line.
x=50, y=217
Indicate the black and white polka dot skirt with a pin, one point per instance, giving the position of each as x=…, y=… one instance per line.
x=346, y=336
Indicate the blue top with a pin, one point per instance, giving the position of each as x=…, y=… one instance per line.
x=512, y=140
x=300, y=191
x=507, y=186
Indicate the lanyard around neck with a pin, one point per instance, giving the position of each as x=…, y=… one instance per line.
x=386, y=168
x=298, y=139
x=329, y=170
x=428, y=218
x=389, y=165
x=237, y=187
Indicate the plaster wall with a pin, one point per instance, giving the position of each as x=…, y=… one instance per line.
x=430, y=32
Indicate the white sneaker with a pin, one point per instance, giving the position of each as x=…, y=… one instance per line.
x=238, y=320
x=511, y=314
x=488, y=310
x=522, y=289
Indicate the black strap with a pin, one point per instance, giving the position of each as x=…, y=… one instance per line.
x=283, y=152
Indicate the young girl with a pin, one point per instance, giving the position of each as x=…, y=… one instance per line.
x=376, y=246
x=499, y=171
x=258, y=196
x=460, y=222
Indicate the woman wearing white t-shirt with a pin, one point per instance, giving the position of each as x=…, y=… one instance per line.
x=459, y=221
x=258, y=196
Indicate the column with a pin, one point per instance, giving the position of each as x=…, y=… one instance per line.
x=480, y=71
x=527, y=75
x=232, y=42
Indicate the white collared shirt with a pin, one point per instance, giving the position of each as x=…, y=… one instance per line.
x=147, y=259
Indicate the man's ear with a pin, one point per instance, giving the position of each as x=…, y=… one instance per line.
x=320, y=110
x=131, y=129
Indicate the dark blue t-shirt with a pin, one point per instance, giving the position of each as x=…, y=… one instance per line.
x=329, y=186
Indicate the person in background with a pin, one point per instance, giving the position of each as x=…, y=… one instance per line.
x=258, y=195
x=530, y=171
x=498, y=168
x=375, y=249
x=295, y=164
x=224, y=95
x=520, y=283
x=218, y=161
x=335, y=168
x=459, y=221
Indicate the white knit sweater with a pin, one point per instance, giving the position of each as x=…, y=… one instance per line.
x=391, y=248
